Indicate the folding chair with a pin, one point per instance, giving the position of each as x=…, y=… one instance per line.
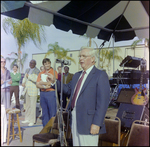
x=113, y=131
x=50, y=133
x=41, y=137
x=139, y=134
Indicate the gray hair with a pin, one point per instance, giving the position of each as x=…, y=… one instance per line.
x=34, y=61
x=91, y=51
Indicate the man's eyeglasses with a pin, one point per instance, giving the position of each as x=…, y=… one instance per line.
x=3, y=61
x=83, y=56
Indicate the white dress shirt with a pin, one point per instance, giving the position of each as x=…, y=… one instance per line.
x=85, y=76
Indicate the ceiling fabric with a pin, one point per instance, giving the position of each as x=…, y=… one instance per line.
x=125, y=19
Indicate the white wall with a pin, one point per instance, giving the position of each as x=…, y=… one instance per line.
x=140, y=52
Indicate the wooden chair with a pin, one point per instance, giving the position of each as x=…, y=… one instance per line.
x=139, y=134
x=49, y=134
x=11, y=113
x=113, y=131
x=42, y=136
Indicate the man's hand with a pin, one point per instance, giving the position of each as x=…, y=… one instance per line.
x=41, y=82
x=49, y=83
x=23, y=84
x=50, y=78
x=94, y=129
x=47, y=86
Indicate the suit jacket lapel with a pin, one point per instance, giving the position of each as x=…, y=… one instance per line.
x=88, y=80
x=74, y=84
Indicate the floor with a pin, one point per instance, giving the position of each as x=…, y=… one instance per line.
x=29, y=131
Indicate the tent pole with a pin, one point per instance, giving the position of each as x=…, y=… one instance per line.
x=113, y=38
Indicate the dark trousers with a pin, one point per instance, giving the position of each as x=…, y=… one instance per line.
x=15, y=90
x=64, y=100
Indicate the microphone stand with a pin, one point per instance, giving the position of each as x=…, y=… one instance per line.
x=62, y=138
x=61, y=126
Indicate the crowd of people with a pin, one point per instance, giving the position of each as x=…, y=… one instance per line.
x=34, y=83
x=88, y=92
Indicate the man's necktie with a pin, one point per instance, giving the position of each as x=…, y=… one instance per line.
x=77, y=90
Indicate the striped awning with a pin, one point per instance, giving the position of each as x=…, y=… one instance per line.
x=123, y=19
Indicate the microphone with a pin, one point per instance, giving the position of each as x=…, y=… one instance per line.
x=65, y=62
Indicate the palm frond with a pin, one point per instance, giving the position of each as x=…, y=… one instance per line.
x=7, y=58
x=134, y=44
x=58, y=51
x=14, y=62
x=13, y=53
x=24, y=31
x=24, y=58
x=69, y=58
x=48, y=53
